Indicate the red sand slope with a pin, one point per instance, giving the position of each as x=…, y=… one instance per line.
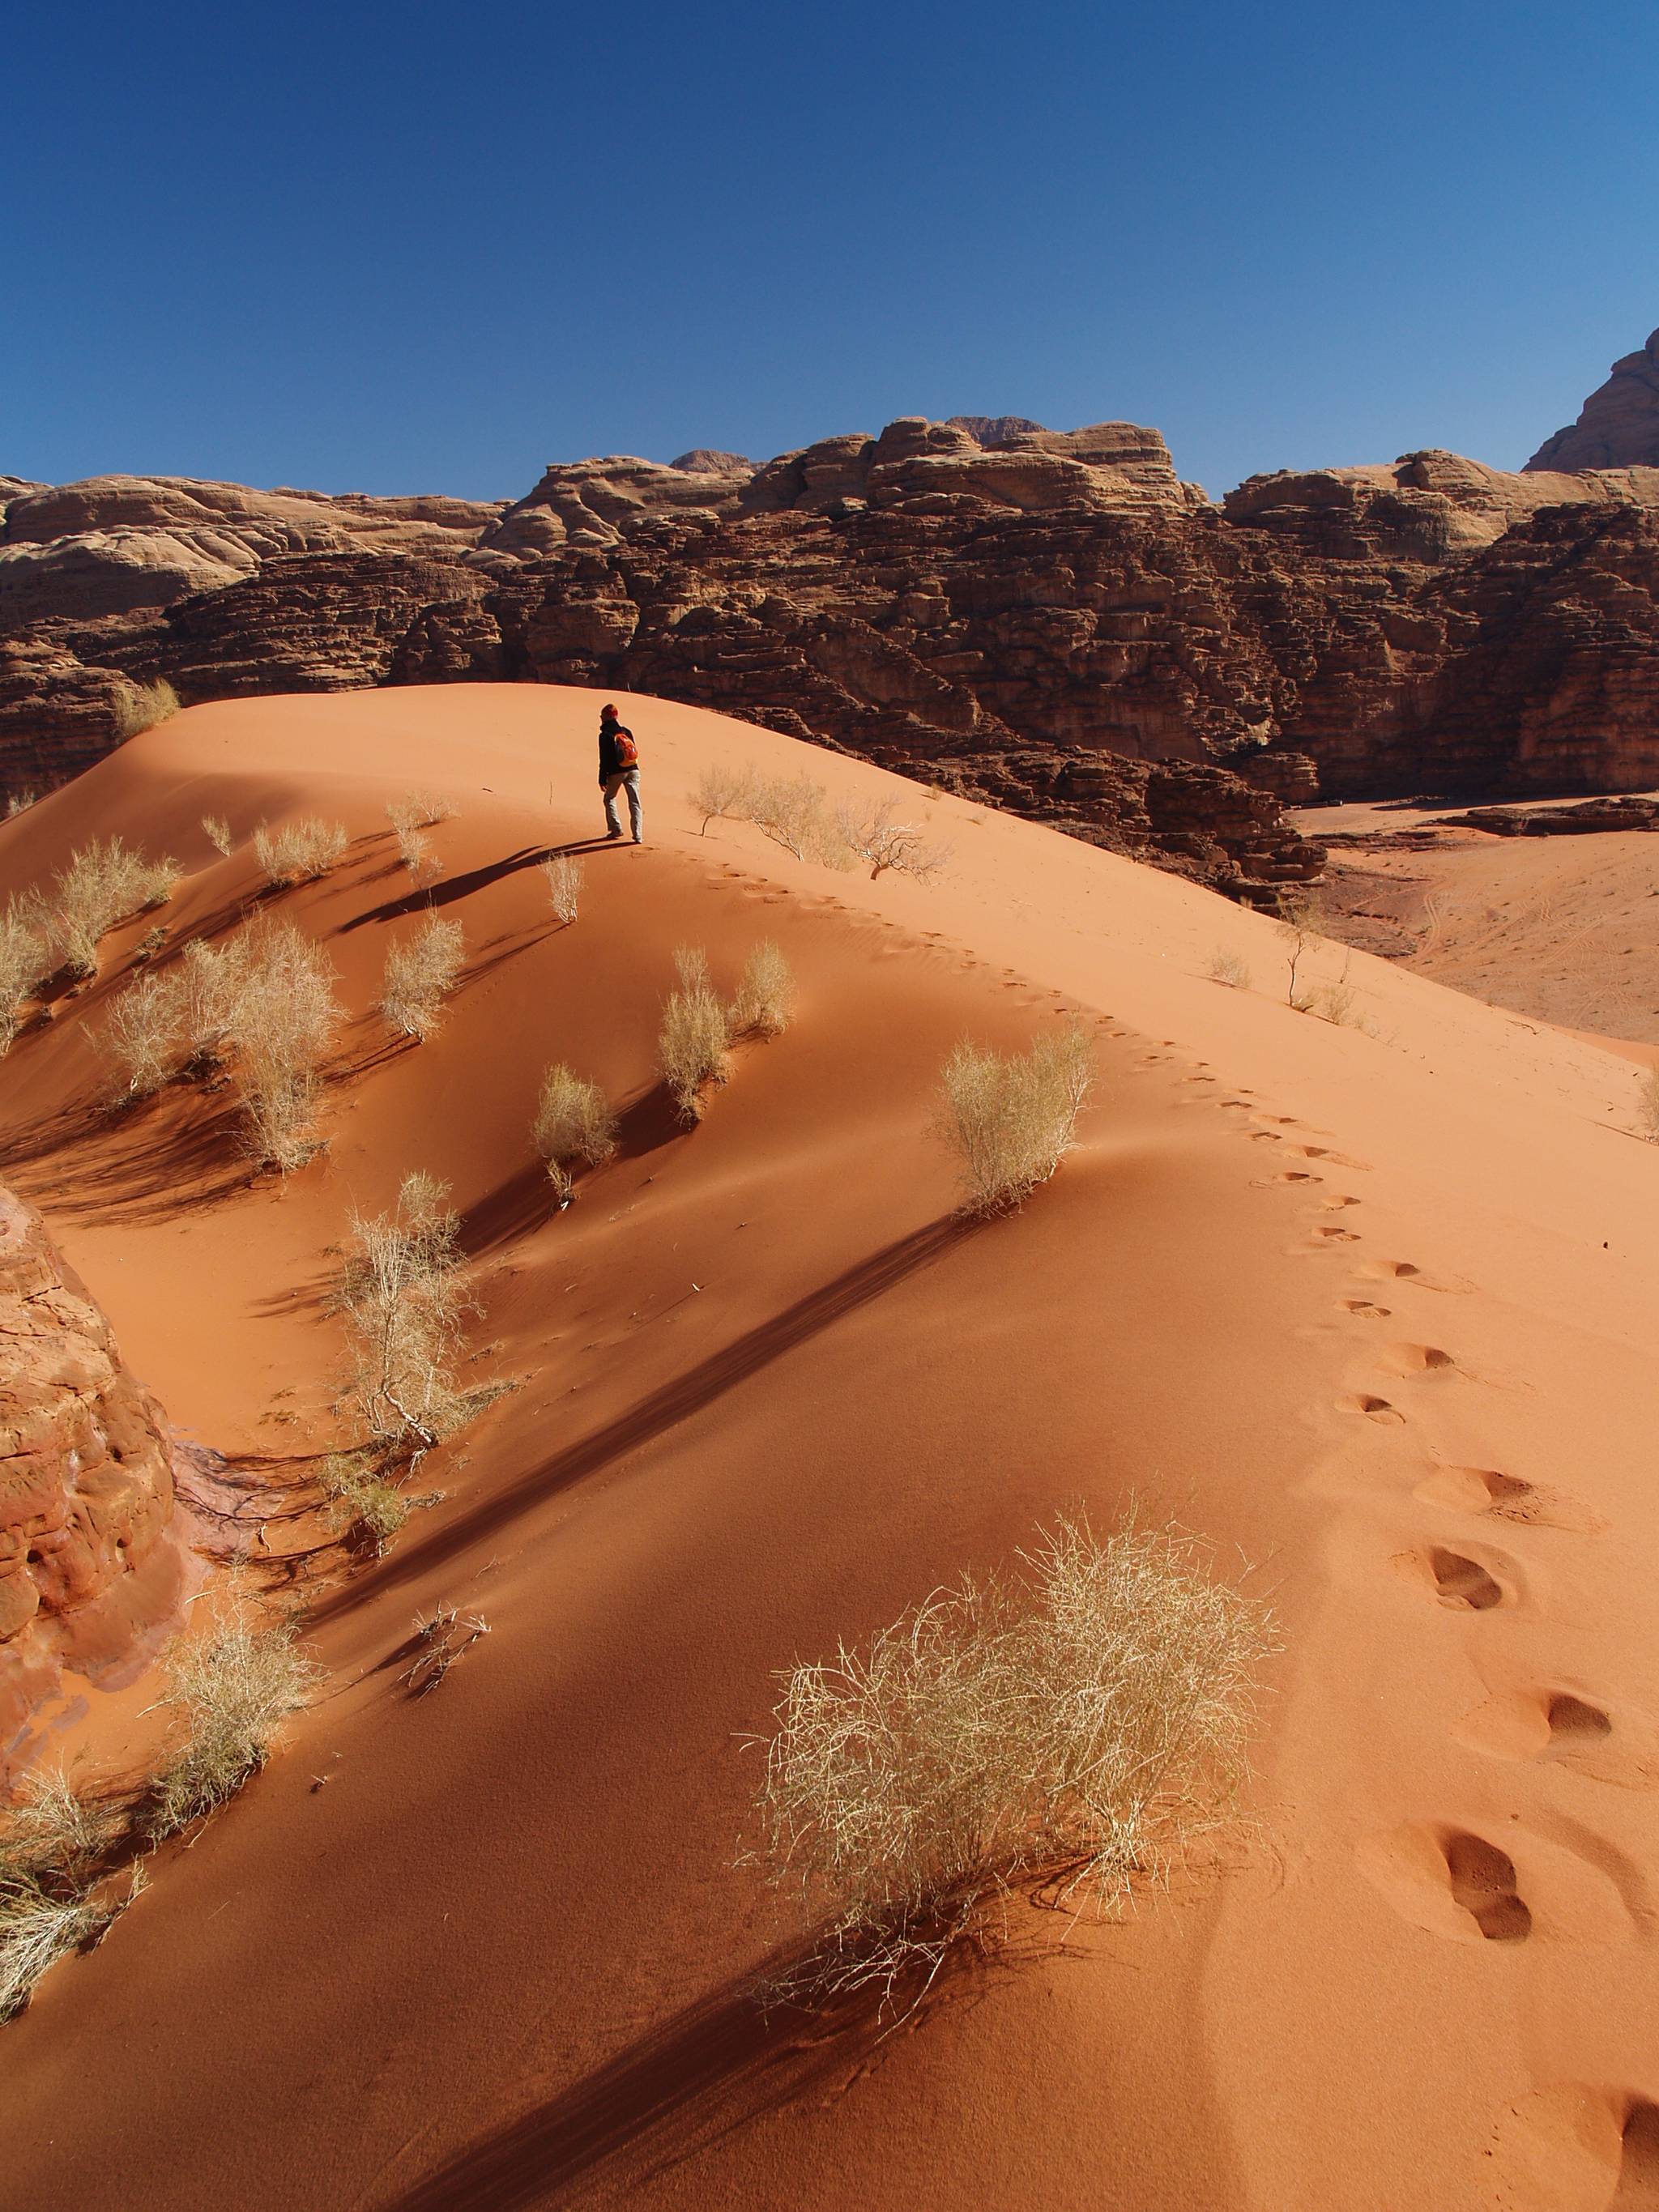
x=1373, y=1308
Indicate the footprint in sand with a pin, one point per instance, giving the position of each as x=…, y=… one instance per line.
x=1365, y=1310
x=1575, y=2148
x=1413, y=1359
x=1458, y=1580
x=1551, y=1724
x=1407, y=1271
x=1337, y=1202
x=1506, y=1497
x=1374, y=1409
x=1454, y=1881
x=1336, y=1159
x=1331, y=1235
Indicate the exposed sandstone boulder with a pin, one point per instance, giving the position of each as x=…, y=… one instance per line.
x=709, y=461
x=1618, y=427
x=86, y=1479
x=600, y=502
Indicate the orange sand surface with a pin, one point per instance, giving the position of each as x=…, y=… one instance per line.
x=1564, y=929
x=1373, y=1306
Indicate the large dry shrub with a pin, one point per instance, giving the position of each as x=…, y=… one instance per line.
x=401, y=1296
x=229, y=1690
x=792, y=812
x=691, y=1044
x=146, y=1032
x=140, y=707
x=1075, y=1723
x=103, y=884
x=765, y=996
x=420, y=975
x=300, y=852
x=564, y=886
x=361, y=1504
x=575, y=1127
x=879, y=836
x=723, y=789
x=280, y=1014
x=26, y=961
x=218, y=834
x=1010, y=1120
x=409, y=818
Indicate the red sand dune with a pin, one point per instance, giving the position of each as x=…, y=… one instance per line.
x=1373, y=1308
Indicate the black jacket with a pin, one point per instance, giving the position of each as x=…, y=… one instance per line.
x=610, y=762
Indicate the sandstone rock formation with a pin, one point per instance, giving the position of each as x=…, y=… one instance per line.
x=1050, y=620
x=115, y=545
x=85, y=1478
x=1618, y=424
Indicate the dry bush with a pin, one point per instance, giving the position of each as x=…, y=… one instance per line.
x=363, y=1504
x=1229, y=969
x=1647, y=1104
x=300, y=852
x=765, y=994
x=102, y=884
x=38, y=1929
x=887, y=843
x=401, y=1296
x=440, y=1639
x=417, y=855
x=1012, y=1121
x=792, y=811
x=691, y=1045
x=146, y=1032
x=278, y=1019
x=53, y=1835
x=420, y=975
x=26, y=961
x=141, y=706
x=230, y=1689
x=564, y=886
x=1333, y=1002
x=1076, y=1724
x=52, y=1850
x=426, y=807
x=19, y=802
x=1300, y=917
x=218, y=834
x=724, y=790
x=573, y=1126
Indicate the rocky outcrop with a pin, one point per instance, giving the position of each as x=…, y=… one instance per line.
x=1618, y=427
x=86, y=1479
x=117, y=544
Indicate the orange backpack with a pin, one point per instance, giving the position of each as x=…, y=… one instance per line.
x=628, y=753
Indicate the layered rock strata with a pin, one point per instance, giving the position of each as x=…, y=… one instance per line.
x=85, y=1478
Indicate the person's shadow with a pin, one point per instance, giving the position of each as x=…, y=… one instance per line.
x=447, y=891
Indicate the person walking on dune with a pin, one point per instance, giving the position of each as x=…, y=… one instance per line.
x=619, y=768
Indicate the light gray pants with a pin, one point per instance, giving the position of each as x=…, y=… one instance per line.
x=630, y=779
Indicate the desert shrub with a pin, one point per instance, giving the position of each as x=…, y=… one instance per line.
x=765, y=996
x=876, y=835
x=401, y=1296
x=53, y=1850
x=426, y=807
x=1333, y=1002
x=276, y=1002
x=792, y=811
x=102, y=884
x=229, y=1689
x=723, y=789
x=440, y=1639
x=420, y=975
x=1228, y=967
x=300, y=852
x=574, y=1127
x=218, y=834
x=19, y=802
x=141, y=706
x=1074, y=1724
x=564, y=886
x=691, y=1044
x=1300, y=916
x=26, y=961
x=1647, y=1104
x=362, y=1504
x=1012, y=1120
x=146, y=1032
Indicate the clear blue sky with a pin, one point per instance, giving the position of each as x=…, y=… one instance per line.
x=430, y=248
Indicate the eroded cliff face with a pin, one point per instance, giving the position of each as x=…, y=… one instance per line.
x=1617, y=426
x=86, y=1483
x=1051, y=620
